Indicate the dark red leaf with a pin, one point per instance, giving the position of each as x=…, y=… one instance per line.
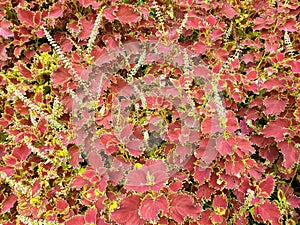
x=270, y=153
x=205, y=192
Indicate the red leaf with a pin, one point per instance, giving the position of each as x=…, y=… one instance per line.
x=199, y=48
x=194, y=21
x=245, y=129
x=270, y=153
x=272, y=83
x=61, y=205
x=8, y=203
x=60, y=76
x=267, y=187
x=182, y=206
x=234, y=166
x=91, y=215
x=4, y=31
x=74, y=152
x=248, y=58
x=244, y=145
x=127, y=14
x=25, y=16
x=149, y=208
x=228, y=11
x=207, y=151
x=224, y=147
x=22, y=152
x=78, y=182
x=205, y=191
x=295, y=66
x=216, y=219
x=261, y=141
x=231, y=123
x=76, y=220
x=274, y=106
x=205, y=217
x=290, y=152
x=151, y=176
x=24, y=71
x=202, y=175
x=210, y=125
x=87, y=28
x=36, y=187
x=127, y=213
x=268, y=212
x=211, y=20
x=3, y=54
x=220, y=204
x=86, y=3
x=56, y=11
x=277, y=129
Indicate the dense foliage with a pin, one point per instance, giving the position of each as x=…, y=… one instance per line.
x=244, y=165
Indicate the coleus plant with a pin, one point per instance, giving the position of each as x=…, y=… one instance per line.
x=242, y=167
